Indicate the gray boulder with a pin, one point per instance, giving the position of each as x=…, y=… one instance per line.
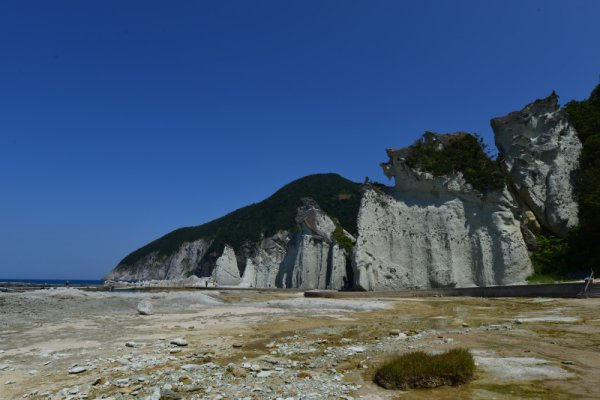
x=145, y=307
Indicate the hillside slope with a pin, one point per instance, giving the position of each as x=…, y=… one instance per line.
x=337, y=196
x=455, y=216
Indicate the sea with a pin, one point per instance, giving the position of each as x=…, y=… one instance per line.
x=56, y=282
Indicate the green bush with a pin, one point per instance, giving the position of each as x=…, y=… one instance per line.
x=550, y=255
x=422, y=370
x=466, y=153
x=340, y=238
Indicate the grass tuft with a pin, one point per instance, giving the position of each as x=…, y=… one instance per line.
x=422, y=370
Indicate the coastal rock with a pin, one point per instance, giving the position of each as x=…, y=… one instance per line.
x=261, y=270
x=157, y=266
x=310, y=259
x=237, y=371
x=430, y=232
x=145, y=307
x=179, y=342
x=154, y=395
x=426, y=232
x=168, y=394
x=540, y=151
x=226, y=270
x=314, y=260
x=313, y=221
x=77, y=370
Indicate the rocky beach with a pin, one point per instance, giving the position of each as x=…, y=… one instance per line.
x=231, y=344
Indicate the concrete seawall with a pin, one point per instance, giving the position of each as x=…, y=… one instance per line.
x=565, y=290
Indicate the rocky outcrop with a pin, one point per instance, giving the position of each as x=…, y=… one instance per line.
x=314, y=260
x=180, y=264
x=226, y=272
x=427, y=231
x=540, y=151
x=308, y=259
x=311, y=258
x=261, y=270
x=436, y=232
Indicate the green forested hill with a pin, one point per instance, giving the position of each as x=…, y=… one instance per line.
x=337, y=196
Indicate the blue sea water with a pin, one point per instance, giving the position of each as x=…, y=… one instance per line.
x=57, y=282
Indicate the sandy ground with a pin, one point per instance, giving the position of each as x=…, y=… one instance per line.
x=524, y=348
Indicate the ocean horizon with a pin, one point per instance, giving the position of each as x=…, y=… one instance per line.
x=54, y=282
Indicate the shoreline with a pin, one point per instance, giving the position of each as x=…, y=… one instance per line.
x=240, y=341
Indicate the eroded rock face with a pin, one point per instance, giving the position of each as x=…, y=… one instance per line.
x=436, y=232
x=313, y=259
x=313, y=221
x=155, y=266
x=540, y=151
x=226, y=272
x=262, y=269
x=309, y=259
x=424, y=232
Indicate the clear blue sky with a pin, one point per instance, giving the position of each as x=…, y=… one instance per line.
x=123, y=120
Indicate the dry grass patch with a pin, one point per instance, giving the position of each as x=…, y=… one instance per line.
x=422, y=370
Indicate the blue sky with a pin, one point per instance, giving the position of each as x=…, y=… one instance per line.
x=123, y=120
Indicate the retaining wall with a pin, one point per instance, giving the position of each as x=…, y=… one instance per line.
x=544, y=290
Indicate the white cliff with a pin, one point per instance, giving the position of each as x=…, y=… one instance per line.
x=540, y=151
x=180, y=264
x=436, y=232
x=226, y=272
x=314, y=260
x=427, y=231
x=309, y=259
x=262, y=269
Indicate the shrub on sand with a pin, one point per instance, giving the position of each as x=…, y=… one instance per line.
x=422, y=370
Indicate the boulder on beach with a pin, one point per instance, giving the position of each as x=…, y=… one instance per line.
x=144, y=307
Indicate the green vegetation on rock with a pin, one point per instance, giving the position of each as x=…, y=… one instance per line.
x=465, y=153
x=548, y=258
x=337, y=196
x=583, y=252
x=574, y=256
x=422, y=370
x=340, y=238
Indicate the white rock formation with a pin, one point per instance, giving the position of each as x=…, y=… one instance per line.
x=425, y=232
x=226, y=272
x=540, y=150
x=313, y=263
x=313, y=259
x=436, y=232
x=262, y=269
x=155, y=266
